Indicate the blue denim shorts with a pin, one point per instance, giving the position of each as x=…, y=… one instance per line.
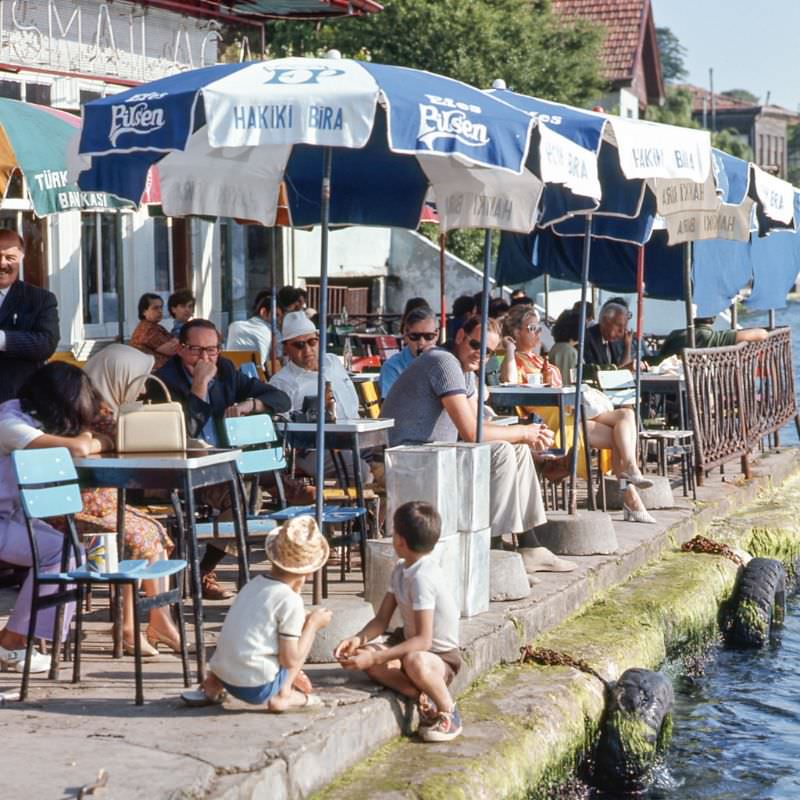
x=258, y=695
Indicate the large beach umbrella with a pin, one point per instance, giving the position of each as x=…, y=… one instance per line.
x=353, y=143
x=35, y=141
x=665, y=158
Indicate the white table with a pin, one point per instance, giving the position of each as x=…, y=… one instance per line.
x=184, y=471
x=344, y=434
x=526, y=395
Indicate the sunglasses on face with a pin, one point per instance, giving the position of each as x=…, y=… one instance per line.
x=415, y=337
x=475, y=344
x=195, y=350
x=305, y=343
x=534, y=327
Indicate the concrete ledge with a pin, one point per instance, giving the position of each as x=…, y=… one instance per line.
x=233, y=753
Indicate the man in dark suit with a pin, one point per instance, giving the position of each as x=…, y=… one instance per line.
x=608, y=344
x=210, y=388
x=28, y=320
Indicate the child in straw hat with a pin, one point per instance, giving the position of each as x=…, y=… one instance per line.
x=420, y=659
x=266, y=636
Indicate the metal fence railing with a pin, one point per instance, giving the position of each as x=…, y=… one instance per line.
x=737, y=396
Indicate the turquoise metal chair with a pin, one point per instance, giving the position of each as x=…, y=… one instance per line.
x=48, y=487
x=263, y=454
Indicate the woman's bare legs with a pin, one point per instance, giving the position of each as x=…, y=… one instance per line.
x=616, y=431
x=160, y=619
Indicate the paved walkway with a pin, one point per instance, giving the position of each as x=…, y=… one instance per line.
x=59, y=740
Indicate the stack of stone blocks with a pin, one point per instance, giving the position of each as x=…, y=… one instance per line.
x=454, y=479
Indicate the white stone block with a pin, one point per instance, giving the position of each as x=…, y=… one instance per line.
x=475, y=547
x=350, y=615
x=474, y=466
x=448, y=555
x=426, y=473
x=381, y=560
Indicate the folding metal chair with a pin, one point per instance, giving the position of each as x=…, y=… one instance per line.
x=48, y=487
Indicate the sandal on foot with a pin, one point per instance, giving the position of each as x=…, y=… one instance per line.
x=197, y=698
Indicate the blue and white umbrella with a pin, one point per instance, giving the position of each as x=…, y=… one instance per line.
x=225, y=137
x=353, y=142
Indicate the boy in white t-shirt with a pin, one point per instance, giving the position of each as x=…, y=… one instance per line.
x=266, y=636
x=421, y=659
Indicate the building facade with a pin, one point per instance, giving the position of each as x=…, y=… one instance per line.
x=64, y=53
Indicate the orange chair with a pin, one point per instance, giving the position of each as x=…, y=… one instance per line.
x=240, y=357
x=66, y=357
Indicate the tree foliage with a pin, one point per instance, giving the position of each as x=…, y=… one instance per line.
x=741, y=94
x=475, y=41
x=673, y=55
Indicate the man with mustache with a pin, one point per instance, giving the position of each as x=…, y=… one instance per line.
x=28, y=319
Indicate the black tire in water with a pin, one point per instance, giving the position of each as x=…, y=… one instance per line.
x=636, y=727
x=759, y=603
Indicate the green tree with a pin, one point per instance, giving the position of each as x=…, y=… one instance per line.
x=741, y=94
x=673, y=55
x=475, y=41
x=793, y=157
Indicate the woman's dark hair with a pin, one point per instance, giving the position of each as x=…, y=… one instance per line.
x=288, y=296
x=61, y=398
x=180, y=298
x=145, y=300
x=463, y=305
x=521, y=300
x=567, y=327
x=498, y=307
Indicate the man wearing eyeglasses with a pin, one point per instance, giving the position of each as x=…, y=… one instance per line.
x=210, y=388
x=299, y=380
x=420, y=332
x=435, y=400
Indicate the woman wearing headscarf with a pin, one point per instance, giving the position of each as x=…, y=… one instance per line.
x=118, y=374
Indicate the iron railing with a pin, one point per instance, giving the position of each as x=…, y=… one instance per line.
x=737, y=396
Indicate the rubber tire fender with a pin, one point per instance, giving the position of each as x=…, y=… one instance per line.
x=637, y=707
x=759, y=603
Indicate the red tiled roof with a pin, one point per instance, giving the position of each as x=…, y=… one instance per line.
x=624, y=21
x=722, y=102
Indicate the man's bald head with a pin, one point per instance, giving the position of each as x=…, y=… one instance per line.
x=11, y=252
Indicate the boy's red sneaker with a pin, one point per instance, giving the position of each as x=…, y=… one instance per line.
x=446, y=727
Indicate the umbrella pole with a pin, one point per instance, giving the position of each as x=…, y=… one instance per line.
x=573, y=462
x=442, y=297
x=487, y=262
x=547, y=298
x=639, y=321
x=687, y=293
x=120, y=278
x=319, y=465
x=273, y=305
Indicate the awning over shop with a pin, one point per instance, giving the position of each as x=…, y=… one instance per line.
x=270, y=9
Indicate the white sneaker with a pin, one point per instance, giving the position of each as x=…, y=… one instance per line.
x=14, y=660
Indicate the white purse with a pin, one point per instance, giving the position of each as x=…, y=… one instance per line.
x=146, y=427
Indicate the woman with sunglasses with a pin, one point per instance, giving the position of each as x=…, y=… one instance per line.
x=420, y=333
x=609, y=428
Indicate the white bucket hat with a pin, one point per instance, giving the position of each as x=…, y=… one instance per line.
x=295, y=324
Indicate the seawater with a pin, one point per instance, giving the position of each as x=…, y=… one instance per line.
x=736, y=718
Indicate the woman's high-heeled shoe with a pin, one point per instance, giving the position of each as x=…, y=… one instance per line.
x=155, y=638
x=629, y=515
x=636, y=479
x=148, y=651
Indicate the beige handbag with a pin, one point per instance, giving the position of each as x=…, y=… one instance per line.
x=145, y=427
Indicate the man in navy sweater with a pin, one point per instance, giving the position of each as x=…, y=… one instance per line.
x=28, y=320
